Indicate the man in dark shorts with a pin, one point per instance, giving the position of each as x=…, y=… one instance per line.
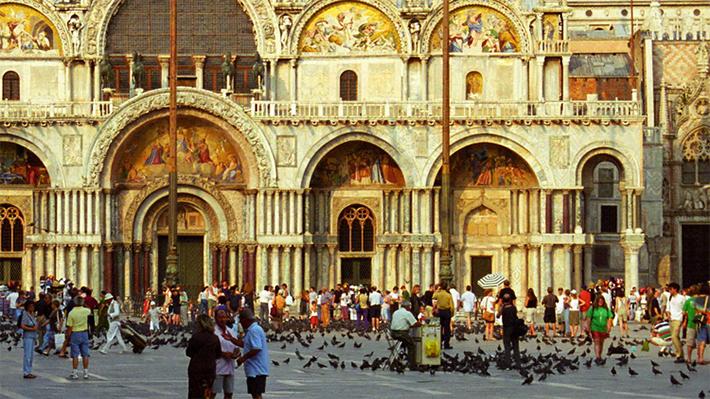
x=550, y=301
x=256, y=354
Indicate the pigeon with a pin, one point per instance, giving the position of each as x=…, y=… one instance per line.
x=701, y=395
x=654, y=364
x=684, y=376
x=275, y=363
x=674, y=381
x=613, y=371
x=656, y=371
x=357, y=345
x=287, y=360
x=632, y=372
x=528, y=380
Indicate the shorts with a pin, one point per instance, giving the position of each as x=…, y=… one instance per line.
x=703, y=335
x=223, y=383
x=375, y=311
x=80, y=344
x=211, y=303
x=690, y=336
x=597, y=335
x=256, y=385
x=574, y=317
x=530, y=315
x=549, y=316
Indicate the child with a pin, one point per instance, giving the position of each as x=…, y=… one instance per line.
x=154, y=317
x=661, y=336
x=421, y=317
x=314, y=316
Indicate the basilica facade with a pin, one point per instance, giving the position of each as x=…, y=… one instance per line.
x=309, y=142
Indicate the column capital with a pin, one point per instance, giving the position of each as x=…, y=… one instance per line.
x=199, y=60
x=293, y=62
x=163, y=59
x=577, y=249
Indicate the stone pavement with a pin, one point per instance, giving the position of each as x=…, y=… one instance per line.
x=162, y=374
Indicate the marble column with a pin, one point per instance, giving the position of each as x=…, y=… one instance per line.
x=330, y=273
x=631, y=245
x=136, y=257
x=164, y=61
x=299, y=212
x=60, y=211
x=145, y=271
x=378, y=266
x=50, y=266
x=27, y=266
x=534, y=270
x=427, y=278
x=540, y=63
x=73, y=269
x=545, y=267
x=577, y=267
x=91, y=198
x=38, y=262
x=61, y=262
x=286, y=266
x=108, y=269
x=233, y=265
x=307, y=267
x=424, y=83
x=516, y=268
x=277, y=212
x=82, y=211
x=297, y=270
x=292, y=79
x=128, y=281
x=95, y=271
x=587, y=264
x=318, y=269
x=84, y=266
x=565, y=78
x=199, y=61
x=567, y=266
x=275, y=265
x=390, y=270
x=416, y=265
x=224, y=263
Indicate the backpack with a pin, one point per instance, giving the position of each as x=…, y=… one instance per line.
x=520, y=328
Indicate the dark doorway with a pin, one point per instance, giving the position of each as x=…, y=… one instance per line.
x=190, y=262
x=10, y=270
x=356, y=271
x=480, y=266
x=696, y=253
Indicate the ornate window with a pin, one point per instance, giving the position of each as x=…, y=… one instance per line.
x=11, y=86
x=12, y=229
x=696, y=157
x=205, y=28
x=348, y=86
x=356, y=230
x=474, y=85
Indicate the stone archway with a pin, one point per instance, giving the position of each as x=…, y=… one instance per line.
x=191, y=101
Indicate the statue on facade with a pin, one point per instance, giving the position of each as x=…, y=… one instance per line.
x=106, y=72
x=228, y=72
x=688, y=203
x=285, y=24
x=75, y=27
x=655, y=20
x=257, y=71
x=138, y=70
x=415, y=28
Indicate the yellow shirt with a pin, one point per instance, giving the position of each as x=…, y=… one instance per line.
x=78, y=319
x=443, y=300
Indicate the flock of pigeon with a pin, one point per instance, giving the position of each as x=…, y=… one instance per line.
x=535, y=366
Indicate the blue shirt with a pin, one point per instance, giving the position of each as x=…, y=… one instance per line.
x=29, y=321
x=256, y=339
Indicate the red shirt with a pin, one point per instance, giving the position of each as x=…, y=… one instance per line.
x=587, y=298
x=90, y=302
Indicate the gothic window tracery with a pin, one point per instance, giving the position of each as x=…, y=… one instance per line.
x=696, y=157
x=12, y=228
x=356, y=230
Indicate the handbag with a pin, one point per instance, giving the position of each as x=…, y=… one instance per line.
x=520, y=328
x=59, y=339
x=489, y=316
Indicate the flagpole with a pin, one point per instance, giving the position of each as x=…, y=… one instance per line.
x=172, y=257
x=445, y=273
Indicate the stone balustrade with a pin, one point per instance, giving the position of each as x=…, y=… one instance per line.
x=553, y=46
x=431, y=111
x=29, y=111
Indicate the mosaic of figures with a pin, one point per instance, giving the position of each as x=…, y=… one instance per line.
x=490, y=165
x=478, y=29
x=357, y=164
x=23, y=30
x=552, y=27
x=18, y=165
x=203, y=149
x=349, y=27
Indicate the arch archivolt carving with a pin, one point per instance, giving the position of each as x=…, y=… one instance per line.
x=97, y=21
x=40, y=149
x=151, y=218
x=320, y=149
x=629, y=165
x=386, y=7
x=694, y=141
x=59, y=24
x=467, y=137
x=190, y=98
x=203, y=189
x=508, y=9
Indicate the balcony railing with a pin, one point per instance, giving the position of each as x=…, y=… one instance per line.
x=553, y=46
x=353, y=110
x=44, y=111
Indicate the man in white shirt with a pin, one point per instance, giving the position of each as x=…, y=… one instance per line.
x=560, y=310
x=468, y=301
x=607, y=297
x=224, y=366
x=675, y=311
x=402, y=321
x=264, y=299
x=12, y=300
x=114, y=325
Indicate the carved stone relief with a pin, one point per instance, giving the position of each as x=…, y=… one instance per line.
x=71, y=147
x=286, y=150
x=559, y=151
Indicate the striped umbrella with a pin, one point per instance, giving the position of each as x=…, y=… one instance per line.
x=492, y=280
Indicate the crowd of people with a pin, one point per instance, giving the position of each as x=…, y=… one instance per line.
x=61, y=317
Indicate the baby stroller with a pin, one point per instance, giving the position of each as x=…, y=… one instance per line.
x=137, y=340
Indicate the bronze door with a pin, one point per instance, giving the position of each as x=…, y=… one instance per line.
x=480, y=266
x=190, y=262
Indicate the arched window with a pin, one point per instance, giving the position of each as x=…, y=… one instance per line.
x=696, y=158
x=356, y=230
x=12, y=229
x=11, y=86
x=474, y=85
x=348, y=86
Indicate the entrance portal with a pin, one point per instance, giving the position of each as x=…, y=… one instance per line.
x=480, y=266
x=356, y=271
x=696, y=253
x=190, y=262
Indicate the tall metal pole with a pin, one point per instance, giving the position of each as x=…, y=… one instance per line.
x=172, y=259
x=445, y=273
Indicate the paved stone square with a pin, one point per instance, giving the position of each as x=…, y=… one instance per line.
x=162, y=373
